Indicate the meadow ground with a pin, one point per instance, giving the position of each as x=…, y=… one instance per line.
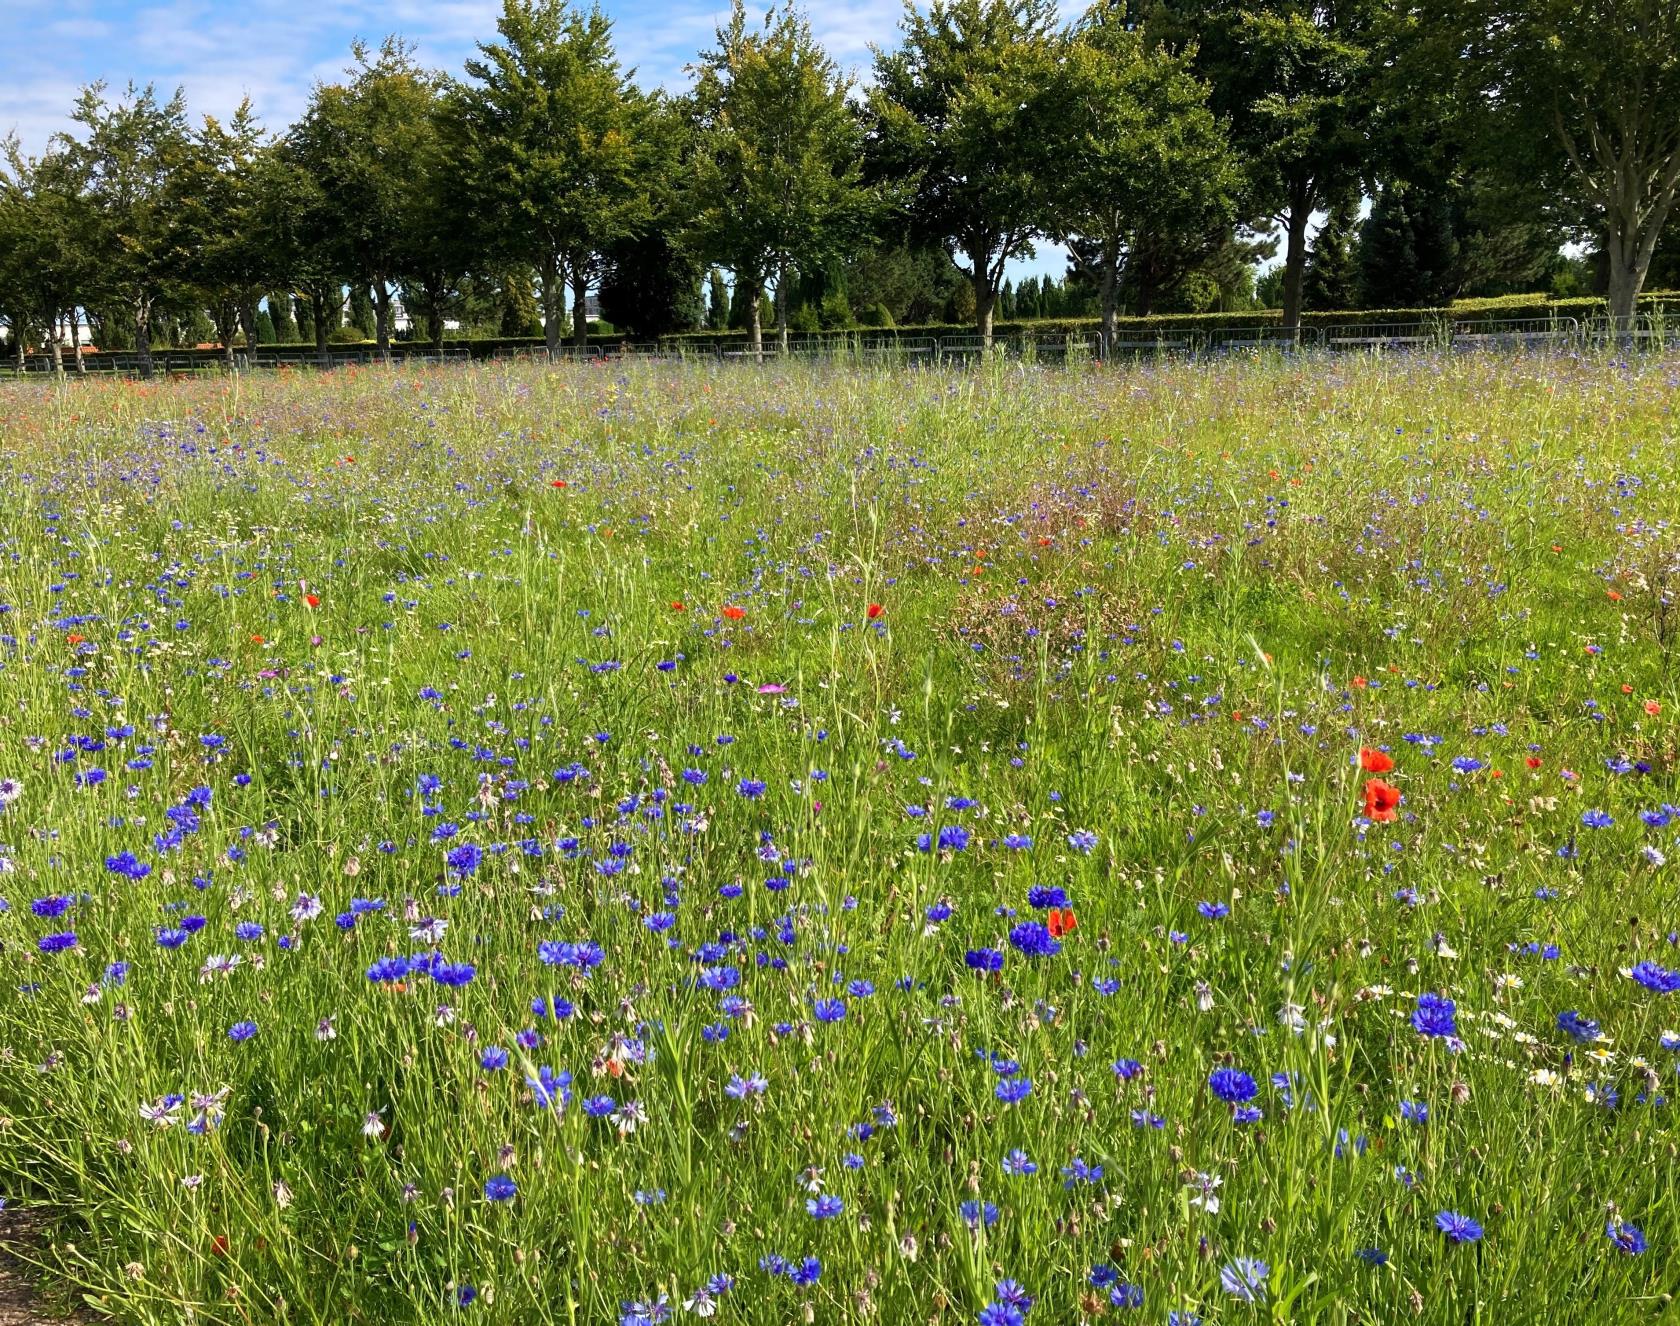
x=1179, y=843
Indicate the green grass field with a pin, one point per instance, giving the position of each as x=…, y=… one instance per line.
x=816, y=844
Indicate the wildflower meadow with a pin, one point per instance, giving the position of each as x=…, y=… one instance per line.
x=618, y=843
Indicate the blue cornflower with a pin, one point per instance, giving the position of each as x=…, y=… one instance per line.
x=242, y=1031
x=1629, y=1239
x=1653, y=977
x=976, y=1214
x=500, y=1188
x=1126, y=1296
x=1013, y=1090
x=1082, y=840
x=807, y=1273
x=983, y=959
x=829, y=1010
x=1583, y=1029
x=1012, y=1292
x=824, y=1207
x=1213, y=911
x=1078, y=1171
x=1018, y=1162
x=384, y=971
x=1435, y=1015
x=751, y=788
x=493, y=1059
x=1034, y=939
x=1232, y=1085
x=1414, y=1111
x=1596, y=819
x=464, y=859
x=1458, y=1228
x=58, y=943
x=1245, y=1279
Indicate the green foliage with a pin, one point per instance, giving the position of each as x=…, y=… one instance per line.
x=1579, y=106
x=1137, y=161
x=651, y=288
x=774, y=175
x=557, y=149
x=131, y=158
x=369, y=146
x=963, y=114
x=1332, y=278
x=1294, y=79
x=46, y=259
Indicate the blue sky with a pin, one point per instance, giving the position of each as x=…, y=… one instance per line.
x=274, y=50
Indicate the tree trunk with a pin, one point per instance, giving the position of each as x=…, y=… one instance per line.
x=318, y=297
x=757, y=323
x=551, y=302
x=248, y=320
x=143, y=336
x=1110, y=284
x=580, y=305
x=782, y=307
x=382, y=318
x=985, y=297
x=56, y=336
x=224, y=328
x=1629, y=261
x=434, y=314
x=1295, y=261
x=76, y=344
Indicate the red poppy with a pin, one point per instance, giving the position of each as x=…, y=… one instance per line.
x=1381, y=801
x=557, y=483
x=733, y=613
x=1062, y=921
x=1653, y=707
x=219, y=1245
x=677, y=606
x=257, y=640
x=1533, y=761
x=74, y=639
x=1375, y=761
x=313, y=600
x=1359, y=683
x=875, y=610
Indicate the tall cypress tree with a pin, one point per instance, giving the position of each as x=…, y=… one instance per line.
x=1332, y=276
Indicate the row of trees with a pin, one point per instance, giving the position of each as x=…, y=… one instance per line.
x=1155, y=139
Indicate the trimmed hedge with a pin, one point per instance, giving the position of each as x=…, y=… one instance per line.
x=1502, y=308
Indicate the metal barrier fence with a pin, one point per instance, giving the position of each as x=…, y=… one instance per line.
x=1506, y=336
